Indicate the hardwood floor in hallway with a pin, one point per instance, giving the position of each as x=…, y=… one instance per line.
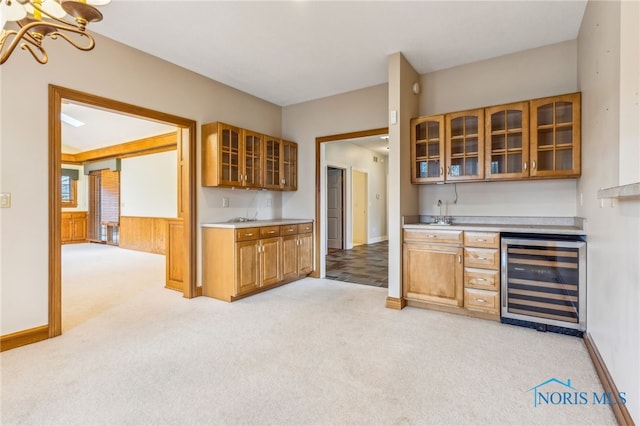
x=364, y=264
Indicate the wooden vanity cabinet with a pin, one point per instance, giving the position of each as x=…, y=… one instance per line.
x=427, y=149
x=482, y=272
x=73, y=227
x=432, y=267
x=240, y=262
x=555, y=136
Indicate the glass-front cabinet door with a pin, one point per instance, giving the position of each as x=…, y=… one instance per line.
x=272, y=153
x=507, y=141
x=555, y=136
x=229, y=153
x=427, y=149
x=252, y=159
x=289, y=180
x=465, y=145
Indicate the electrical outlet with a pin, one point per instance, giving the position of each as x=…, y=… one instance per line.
x=225, y=201
x=268, y=202
x=5, y=200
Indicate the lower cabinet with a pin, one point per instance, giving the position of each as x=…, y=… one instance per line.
x=73, y=227
x=452, y=270
x=241, y=262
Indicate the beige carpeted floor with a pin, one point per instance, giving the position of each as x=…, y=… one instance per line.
x=310, y=352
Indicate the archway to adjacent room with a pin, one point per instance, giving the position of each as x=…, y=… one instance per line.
x=322, y=174
x=186, y=148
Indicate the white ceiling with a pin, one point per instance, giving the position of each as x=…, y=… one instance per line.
x=293, y=51
x=103, y=128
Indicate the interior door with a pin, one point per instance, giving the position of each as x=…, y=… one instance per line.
x=335, y=197
x=360, y=206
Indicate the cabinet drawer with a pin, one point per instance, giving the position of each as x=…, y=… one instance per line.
x=482, y=239
x=304, y=228
x=246, y=234
x=288, y=230
x=481, y=258
x=481, y=300
x=433, y=236
x=269, y=231
x=483, y=279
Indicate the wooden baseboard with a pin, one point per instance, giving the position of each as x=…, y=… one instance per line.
x=24, y=337
x=395, y=303
x=619, y=411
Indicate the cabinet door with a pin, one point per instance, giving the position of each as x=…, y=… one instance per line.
x=66, y=231
x=427, y=149
x=272, y=148
x=229, y=155
x=247, y=267
x=465, y=145
x=555, y=136
x=270, y=261
x=289, y=166
x=305, y=254
x=507, y=141
x=79, y=228
x=252, y=159
x=433, y=273
x=289, y=257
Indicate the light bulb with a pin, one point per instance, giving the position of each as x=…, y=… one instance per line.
x=13, y=12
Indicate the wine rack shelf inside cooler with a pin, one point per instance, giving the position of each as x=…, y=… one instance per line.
x=543, y=281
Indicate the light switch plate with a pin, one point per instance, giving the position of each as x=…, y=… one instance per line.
x=5, y=200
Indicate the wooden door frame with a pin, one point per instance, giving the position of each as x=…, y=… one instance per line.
x=186, y=189
x=319, y=141
x=366, y=205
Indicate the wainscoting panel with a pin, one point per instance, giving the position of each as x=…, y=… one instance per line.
x=146, y=234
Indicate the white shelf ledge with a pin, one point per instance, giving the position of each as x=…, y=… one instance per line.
x=624, y=191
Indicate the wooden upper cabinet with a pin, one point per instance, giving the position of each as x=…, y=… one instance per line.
x=507, y=141
x=221, y=155
x=271, y=164
x=427, y=149
x=289, y=166
x=252, y=159
x=555, y=136
x=465, y=145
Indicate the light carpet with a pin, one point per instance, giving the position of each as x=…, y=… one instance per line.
x=310, y=352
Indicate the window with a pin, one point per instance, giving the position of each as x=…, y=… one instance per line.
x=69, y=189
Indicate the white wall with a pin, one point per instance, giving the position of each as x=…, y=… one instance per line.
x=82, y=194
x=146, y=81
x=149, y=185
x=613, y=227
x=545, y=71
x=355, y=157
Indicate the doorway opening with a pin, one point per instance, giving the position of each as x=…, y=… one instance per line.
x=184, y=144
x=360, y=160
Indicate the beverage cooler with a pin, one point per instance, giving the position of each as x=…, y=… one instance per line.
x=543, y=282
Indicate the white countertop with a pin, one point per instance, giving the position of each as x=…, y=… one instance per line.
x=254, y=223
x=538, y=225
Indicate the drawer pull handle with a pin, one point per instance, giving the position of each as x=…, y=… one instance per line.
x=250, y=234
x=459, y=259
x=482, y=258
x=481, y=300
x=481, y=240
x=432, y=236
x=272, y=232
x=480, y=279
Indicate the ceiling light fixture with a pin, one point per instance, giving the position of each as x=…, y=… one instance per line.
x=39, y=19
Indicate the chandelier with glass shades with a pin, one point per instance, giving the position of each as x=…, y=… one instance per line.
x=38, y=19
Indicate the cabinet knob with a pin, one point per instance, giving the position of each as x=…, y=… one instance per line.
x=533, y=164
x=441, y=170
x=524, y=166
x=449, y=170
x=459, y=259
